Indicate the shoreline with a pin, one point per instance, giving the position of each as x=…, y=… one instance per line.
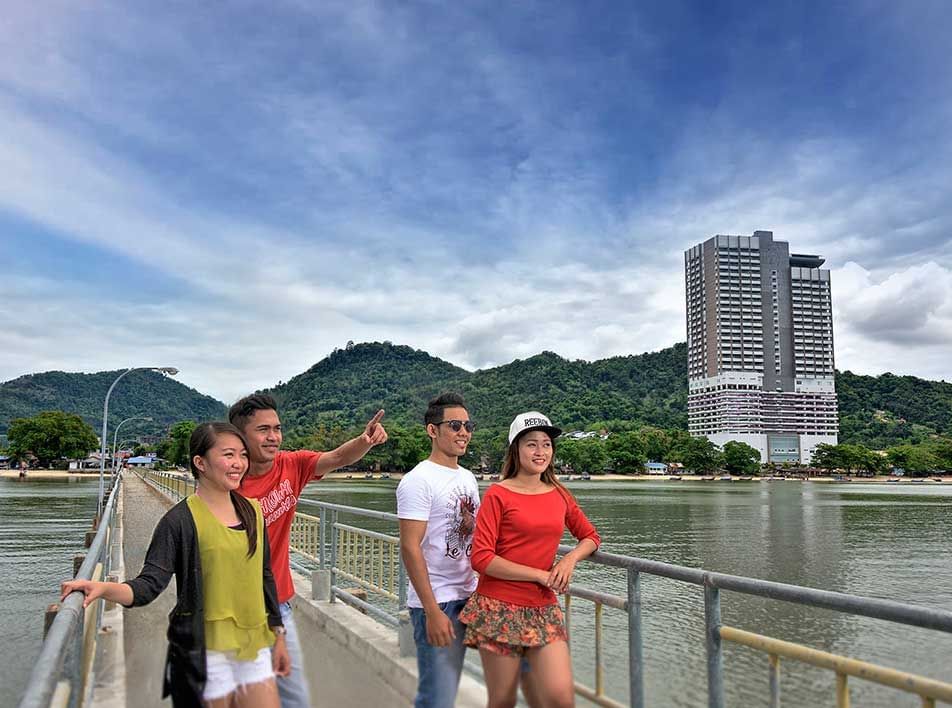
x=839, y=479
x=396, y=476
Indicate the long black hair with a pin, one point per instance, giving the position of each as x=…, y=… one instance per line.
x=510, y=466
x=203, y=439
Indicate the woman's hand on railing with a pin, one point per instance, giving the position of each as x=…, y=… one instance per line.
x=93, y=590
x=561, y=574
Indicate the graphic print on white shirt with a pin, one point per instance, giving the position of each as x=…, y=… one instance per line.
x=447, y=499
x=459, y=530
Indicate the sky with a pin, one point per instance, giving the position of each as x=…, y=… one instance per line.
x=238, y=188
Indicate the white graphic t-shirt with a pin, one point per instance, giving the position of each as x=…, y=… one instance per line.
x=447, y=499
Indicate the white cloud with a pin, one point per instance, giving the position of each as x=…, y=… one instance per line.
x=451, y=200
x=889, y=323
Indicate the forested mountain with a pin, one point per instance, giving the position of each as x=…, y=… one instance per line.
x=879, y=411
x=351, y=384
x=346, y=388
x=140, y=393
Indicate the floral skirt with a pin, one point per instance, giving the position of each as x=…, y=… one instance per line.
x=508, y=629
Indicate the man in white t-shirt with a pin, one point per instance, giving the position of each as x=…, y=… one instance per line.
x=437, y=502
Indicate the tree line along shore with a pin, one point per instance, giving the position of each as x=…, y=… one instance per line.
x=52, y=438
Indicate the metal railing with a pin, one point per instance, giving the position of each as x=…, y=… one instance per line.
x=177, y=485
x=364, y=564
x=366, y=572
x=929, y=690
x=63, y=674
x=371, y=560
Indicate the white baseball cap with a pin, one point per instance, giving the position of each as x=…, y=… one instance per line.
x=533, y=420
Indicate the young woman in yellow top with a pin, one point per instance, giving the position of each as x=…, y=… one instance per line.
x=226, y=619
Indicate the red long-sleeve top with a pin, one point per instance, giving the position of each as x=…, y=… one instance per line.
x=524, y=529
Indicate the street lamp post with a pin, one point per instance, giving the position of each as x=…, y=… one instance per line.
x=115, y=433
x=171, y=371
x=122, y=443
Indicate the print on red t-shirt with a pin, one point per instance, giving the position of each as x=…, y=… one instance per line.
x=278, y=492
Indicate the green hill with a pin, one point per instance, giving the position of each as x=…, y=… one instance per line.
x=879, y=411
x=146, y=393
x=347, y=387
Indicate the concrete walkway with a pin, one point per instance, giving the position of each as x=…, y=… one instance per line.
x=145, y=627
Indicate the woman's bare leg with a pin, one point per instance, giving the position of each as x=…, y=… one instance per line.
x=263, y=694
x=502, y=678
x=551, y=669
x=226, y=701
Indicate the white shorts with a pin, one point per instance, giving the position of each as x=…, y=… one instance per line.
x=226, y=673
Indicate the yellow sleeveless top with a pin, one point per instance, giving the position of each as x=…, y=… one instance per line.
x=235, y=615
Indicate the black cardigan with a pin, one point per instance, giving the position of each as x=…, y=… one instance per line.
x=174, y=551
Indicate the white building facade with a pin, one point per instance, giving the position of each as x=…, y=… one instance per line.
x=760, y=346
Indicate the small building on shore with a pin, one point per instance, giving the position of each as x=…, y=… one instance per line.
x=142, y=461
x=656, y=468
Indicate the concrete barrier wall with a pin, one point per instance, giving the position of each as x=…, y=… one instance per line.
x=353, y=660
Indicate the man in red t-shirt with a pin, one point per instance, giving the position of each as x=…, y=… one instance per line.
x=276, y=480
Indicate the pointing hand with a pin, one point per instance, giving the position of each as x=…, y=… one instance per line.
x=374, y=433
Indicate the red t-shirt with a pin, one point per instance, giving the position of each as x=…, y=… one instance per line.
x=524, y=529
x=278, y=492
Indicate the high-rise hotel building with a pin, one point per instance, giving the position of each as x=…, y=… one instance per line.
x=760, y=346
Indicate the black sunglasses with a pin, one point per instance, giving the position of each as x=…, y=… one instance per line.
x=455, y=425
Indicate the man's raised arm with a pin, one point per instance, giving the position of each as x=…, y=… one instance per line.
x=353, y=450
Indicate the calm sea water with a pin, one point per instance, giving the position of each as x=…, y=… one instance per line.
x=42, y=526
x=866, y=539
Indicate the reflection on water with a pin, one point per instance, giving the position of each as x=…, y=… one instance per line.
x=42, y=526
x=864, y=539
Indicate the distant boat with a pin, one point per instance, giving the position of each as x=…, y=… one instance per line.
x=368, y=475
x=479, y=477
x=725, y=478
x=707, y=479
x=385, y=475
x=937, y=479
x=586, y=476
x=674, y=478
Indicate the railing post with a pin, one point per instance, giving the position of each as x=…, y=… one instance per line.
x=321, y=585
x=48, y=618
x=323, y=522
x=401, y=582
x=334, y=535
x=636, y=672
x=774, y=681
x=842, y=691
x=405, y=634
x=715, y=660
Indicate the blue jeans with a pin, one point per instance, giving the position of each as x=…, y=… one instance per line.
x=439, y=667
x=293, y=689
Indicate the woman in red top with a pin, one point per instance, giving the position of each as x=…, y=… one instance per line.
x=514, y=613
